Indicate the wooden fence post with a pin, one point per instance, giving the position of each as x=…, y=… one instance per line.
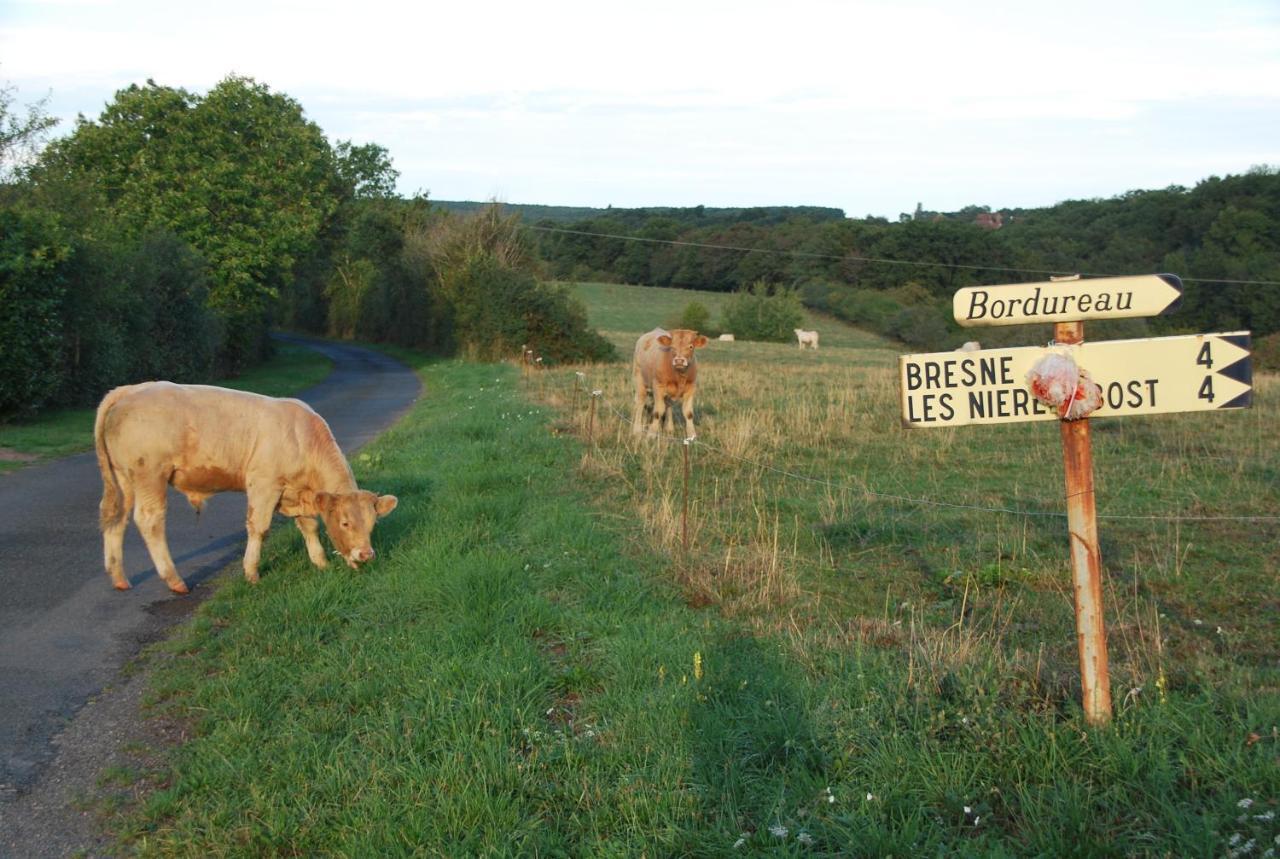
x=1086, y=557
x=684, y=516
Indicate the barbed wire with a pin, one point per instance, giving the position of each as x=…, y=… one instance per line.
x=879, y=260
x=907, y=499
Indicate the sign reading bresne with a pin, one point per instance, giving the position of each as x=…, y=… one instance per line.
x=1067, y=301
x=1197, y=372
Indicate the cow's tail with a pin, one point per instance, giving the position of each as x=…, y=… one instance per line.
x=112, y=509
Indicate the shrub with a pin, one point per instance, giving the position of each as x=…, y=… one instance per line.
x=695, y=317
x=33, y=257
x=763, y=312
x=485, y=275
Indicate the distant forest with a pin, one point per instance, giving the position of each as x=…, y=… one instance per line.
x=898, y=277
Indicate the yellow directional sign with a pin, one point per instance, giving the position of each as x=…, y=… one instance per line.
x=1197, y=372
x=1067, y=301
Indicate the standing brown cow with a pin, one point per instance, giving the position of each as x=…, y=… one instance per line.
x=666, y=366
x=204, y=440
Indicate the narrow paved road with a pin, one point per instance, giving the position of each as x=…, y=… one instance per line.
x=64, y=632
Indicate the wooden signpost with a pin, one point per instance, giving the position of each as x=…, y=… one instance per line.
x=1200, y=372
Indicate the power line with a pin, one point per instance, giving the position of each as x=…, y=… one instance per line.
x=879, y=260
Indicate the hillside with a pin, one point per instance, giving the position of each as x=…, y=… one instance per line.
x=706, y=215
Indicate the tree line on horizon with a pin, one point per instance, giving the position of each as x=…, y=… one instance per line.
x=898, y=277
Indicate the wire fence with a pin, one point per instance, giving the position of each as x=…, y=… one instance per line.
x=581, y=384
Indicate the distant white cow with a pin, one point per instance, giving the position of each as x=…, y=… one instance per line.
x=970, y=346
x=728, y=338
x=807, y=338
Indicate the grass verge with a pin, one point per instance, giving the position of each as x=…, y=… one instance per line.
x=65, y=431
x=521, y=673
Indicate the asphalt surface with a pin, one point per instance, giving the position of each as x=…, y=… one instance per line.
x=64, y=631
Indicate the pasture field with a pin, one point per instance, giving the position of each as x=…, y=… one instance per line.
x=66, y=431
x=613, y=309
x=535, y=666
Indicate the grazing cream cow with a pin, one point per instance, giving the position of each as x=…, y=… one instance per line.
x=204, y=440
x=807, y=338
x=728, y=338
x=665, y=366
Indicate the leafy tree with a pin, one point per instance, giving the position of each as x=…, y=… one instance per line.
x=20, y=136
x=240, y=174
x=366, y=170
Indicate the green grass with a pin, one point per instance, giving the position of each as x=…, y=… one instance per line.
x=616, y=312
x=533, y=668
x=66, y=431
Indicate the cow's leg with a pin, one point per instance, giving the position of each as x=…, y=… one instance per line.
x=642, y=391
x=149, y=503
x=686, y=407
x=262, y=505
x=113, y=536
x=659, y=410
x=310, y=529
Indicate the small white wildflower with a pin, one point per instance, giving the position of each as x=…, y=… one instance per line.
x=1234, y=839
x=1270, y=815
x=977, y=820
x=968, y=810
x=739, y=842
x=870, y=797
x=805, y=838
x=1244, y=803
x=778, y=830
x=1220, y=632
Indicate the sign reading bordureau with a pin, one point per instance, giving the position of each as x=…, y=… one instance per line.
x=1067, y=300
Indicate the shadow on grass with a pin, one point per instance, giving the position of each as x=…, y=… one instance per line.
x=755, y=752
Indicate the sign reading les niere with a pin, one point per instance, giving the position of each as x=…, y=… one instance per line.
x=1067, y=301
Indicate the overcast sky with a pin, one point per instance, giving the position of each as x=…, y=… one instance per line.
x=869, y=107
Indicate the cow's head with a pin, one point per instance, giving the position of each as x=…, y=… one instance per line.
x=682, y=342
x=348, y=519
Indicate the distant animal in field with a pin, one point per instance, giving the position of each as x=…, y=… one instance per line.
x=807, y=338
x=203, y=440
x=665, y=365
x=970, y=346
x=728, y=338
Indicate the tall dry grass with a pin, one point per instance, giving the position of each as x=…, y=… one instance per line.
x=797, y=517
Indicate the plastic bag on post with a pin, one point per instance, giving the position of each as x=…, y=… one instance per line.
x=1057, y=381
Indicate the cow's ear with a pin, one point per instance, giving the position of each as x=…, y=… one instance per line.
x=699, y=341
x=314, y=503
x=385, y=504
x=307, y=503
x=664, y=339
